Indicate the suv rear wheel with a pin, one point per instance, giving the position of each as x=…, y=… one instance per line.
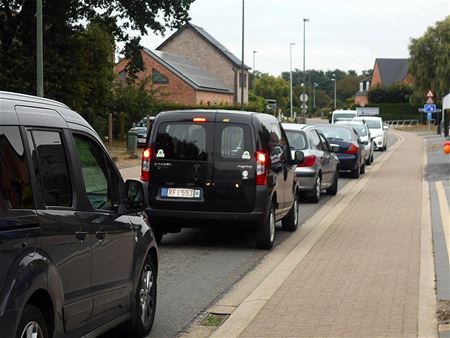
x=265, y=233
x=32, y=324
x=290, y=221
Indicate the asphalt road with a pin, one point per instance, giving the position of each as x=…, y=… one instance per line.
x=198, y=265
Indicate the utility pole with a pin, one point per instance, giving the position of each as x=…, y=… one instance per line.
x=305, y=20
x=39, y=51
x=254, y=67
x=242, y=64
x=334, y=80
x=290, y=73
x=314, y=95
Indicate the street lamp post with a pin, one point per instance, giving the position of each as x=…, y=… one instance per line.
x=305, y=20
x=39, y=51
x=290, y=76
x=334, y=80
x=314, y=95
x=242, y=62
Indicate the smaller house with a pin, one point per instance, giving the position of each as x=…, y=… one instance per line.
x=179, y=80
x=387, y=72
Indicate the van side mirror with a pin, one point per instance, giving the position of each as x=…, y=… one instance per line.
x=136, y=197
x=299, y=157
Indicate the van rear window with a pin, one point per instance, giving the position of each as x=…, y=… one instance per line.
x=181, y=141
x=235, y=142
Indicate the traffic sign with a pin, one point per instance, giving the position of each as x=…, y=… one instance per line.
x=430, y=94
x=430, y=100
x=304, y=97
x=429, y=108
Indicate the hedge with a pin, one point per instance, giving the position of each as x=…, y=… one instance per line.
x=398, y=111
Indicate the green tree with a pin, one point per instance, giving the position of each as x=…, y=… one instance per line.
x=430, y=61
x=271, y=87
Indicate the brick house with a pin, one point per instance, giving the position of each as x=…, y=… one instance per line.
x=206, y=52
x=179, y=80
x=386, y=72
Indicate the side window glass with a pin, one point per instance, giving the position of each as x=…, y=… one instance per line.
x=315, y=140
x=52, y=171
x=325, y=144
x=15, y=187
x=100, y=180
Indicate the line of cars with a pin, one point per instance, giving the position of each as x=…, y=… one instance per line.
x=78, y=246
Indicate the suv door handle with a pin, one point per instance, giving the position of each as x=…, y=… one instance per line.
x=100, y=235
x=81, y=235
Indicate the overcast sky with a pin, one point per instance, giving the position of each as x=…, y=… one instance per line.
x=344, y=34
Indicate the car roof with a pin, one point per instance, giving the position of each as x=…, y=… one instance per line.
x=348, y=122
x=53, y=113
x=294, y=126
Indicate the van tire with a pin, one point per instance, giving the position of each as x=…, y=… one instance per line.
x=32, y=314
x=290, y=221
x=265, y=233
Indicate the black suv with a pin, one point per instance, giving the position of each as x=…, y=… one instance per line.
x=75, y=256
x=204, y=165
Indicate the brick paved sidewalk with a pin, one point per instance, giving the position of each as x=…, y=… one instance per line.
x=362, y=277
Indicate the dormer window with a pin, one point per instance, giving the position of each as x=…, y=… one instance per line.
x=158, y=78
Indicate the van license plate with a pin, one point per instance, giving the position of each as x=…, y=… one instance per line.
x=180, y=193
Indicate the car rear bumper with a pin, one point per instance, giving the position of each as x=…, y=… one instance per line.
x=306, y=178
x=348, y=162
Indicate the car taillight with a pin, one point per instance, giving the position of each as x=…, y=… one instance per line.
x=261, y=168
x=145, y=165
x=309, y=161
x=352, y=149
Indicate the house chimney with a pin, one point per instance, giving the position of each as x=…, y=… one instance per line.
x=361, y=87
x=367, y=85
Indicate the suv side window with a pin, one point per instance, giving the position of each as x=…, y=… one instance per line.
x=100, y=179
x=15, y=186
x=51, y=168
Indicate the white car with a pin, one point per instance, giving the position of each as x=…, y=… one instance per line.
x=343, y=115
x=378, y=130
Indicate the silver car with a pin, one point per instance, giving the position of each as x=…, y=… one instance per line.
x=320, y=169
x=363, y=132
x=141, y=128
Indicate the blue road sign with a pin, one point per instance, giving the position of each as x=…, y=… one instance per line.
x=429, y=108
x=429, y=116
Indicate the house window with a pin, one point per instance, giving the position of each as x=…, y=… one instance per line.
x=158, y=78
x=123, y=75
x=240, y=80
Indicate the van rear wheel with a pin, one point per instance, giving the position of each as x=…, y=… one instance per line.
x=265, y=233
x=290, y=221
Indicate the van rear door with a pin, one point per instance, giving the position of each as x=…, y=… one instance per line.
x=181, y=166
x=234, y=164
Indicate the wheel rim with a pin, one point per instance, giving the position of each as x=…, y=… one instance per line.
x=32, y=330
x=318, y=190
x=272, y=226
x=146, y=301
x=295, y=211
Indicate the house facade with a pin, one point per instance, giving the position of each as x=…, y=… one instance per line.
x=178, y=80
x=205, y=51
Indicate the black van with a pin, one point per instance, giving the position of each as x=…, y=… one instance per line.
x=204, y=165
x=76, y=259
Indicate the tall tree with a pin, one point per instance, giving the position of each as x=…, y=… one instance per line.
x=430, y=61
x=271, y=87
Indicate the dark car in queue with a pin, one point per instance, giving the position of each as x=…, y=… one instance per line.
x=347, y=146
x=364, y=134
x=77, y=256
x=209, y=166
x=320, y=168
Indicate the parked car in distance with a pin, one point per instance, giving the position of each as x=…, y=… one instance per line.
x=76, y=256
x=364, y=134
x=206, y=166
x=141, y=128
x=343, y=115
x=320, y=167
x=378, y=130
x=348, y=147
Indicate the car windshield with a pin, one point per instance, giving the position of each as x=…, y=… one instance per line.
x=337, y=133
x=373, y=124
x=297, y=139
x=344, y=116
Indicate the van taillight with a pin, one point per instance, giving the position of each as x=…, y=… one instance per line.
x=145, y=165
x=261, y=168
x=309, y=161
x=352, y=149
